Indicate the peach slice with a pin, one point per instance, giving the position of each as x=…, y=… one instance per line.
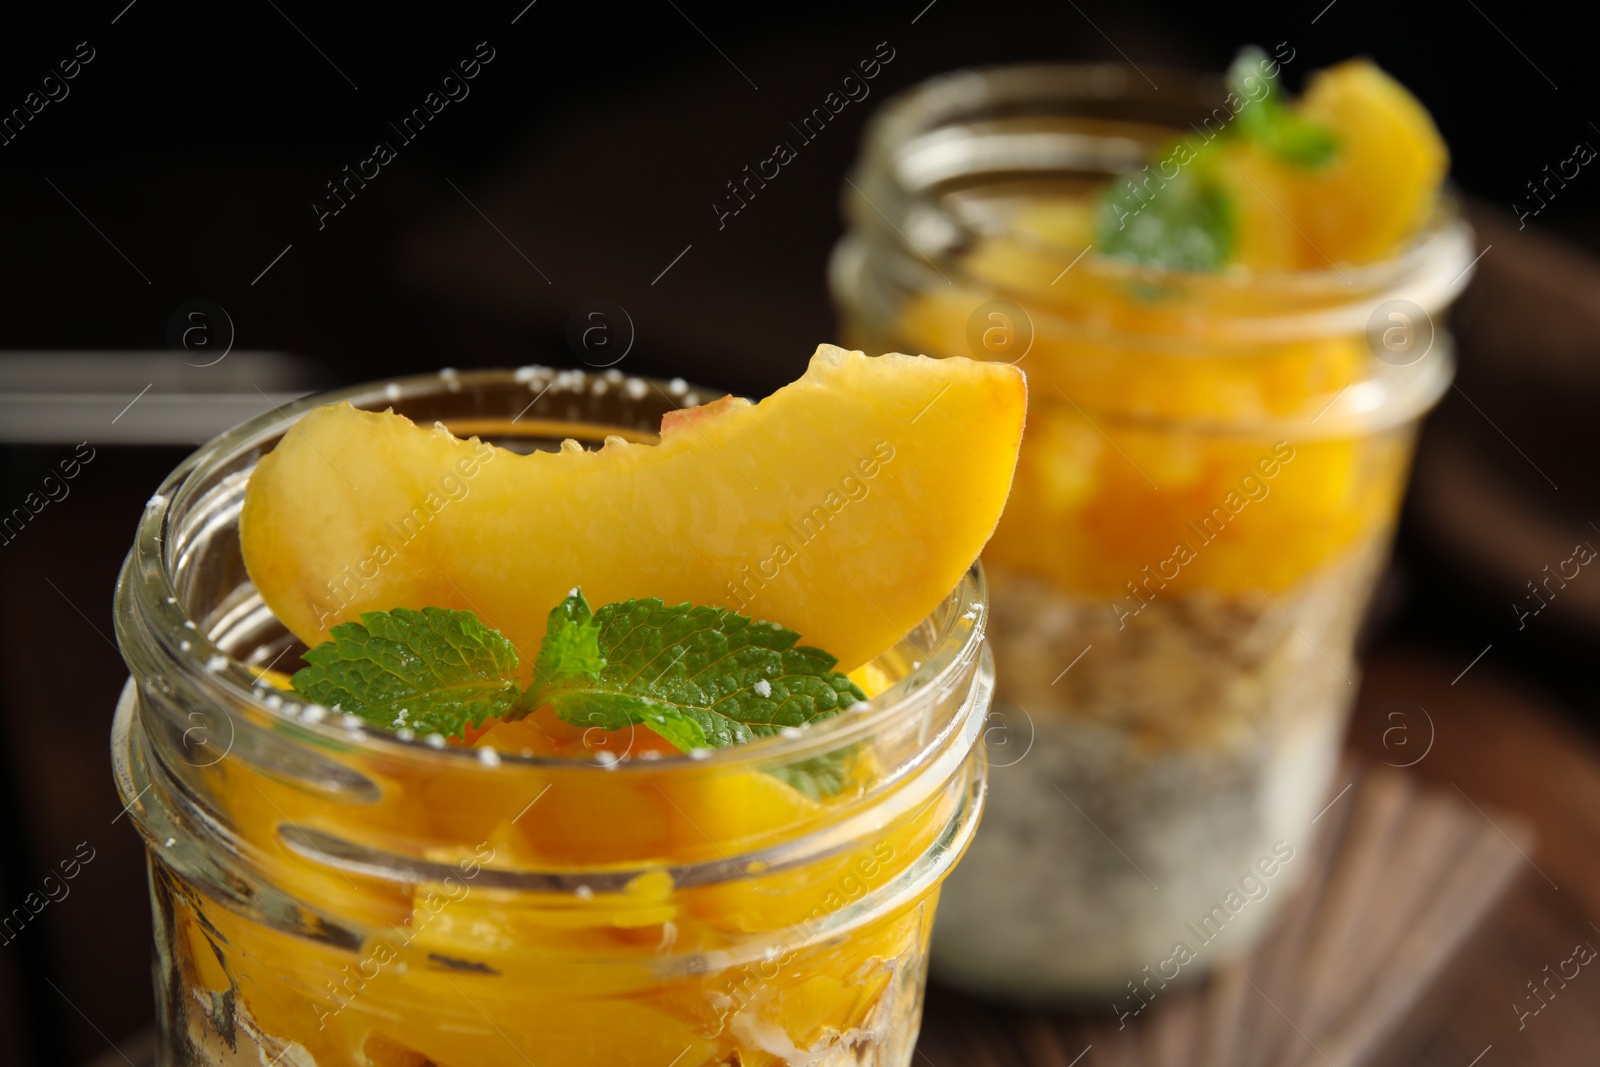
x=844, y=506
x=1385, y=180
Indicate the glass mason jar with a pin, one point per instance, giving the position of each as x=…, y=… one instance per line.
x=1206, y=492
x=329, y=895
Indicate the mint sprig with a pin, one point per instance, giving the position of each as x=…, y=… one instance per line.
x=431, y=671
x=1177, y=212
x=701, y=677
x=1267, y=121
x=1185, y=222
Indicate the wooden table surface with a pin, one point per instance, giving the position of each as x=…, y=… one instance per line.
x=1503, y=747
x=1507, y=752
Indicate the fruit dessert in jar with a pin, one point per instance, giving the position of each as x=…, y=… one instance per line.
x=625, y=730
x=1226, y=304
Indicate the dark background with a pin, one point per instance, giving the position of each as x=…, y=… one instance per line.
x=591, y=148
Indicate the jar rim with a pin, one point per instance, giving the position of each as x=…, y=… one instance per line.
x=152, y=623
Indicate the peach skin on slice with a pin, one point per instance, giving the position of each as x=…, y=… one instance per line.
x=845, y=506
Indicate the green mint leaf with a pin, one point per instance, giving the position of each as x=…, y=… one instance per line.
x=1182, y=222
x=434, y=670
x=1175, y=212
x=1304, y=143
x=571, y=647
x=570, y=657
x=1266, y=120
x=701, y=677
x=1258, y=96
x=620, y=711
x=817, y=778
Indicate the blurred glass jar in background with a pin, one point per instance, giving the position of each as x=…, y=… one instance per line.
x=1210, y=476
